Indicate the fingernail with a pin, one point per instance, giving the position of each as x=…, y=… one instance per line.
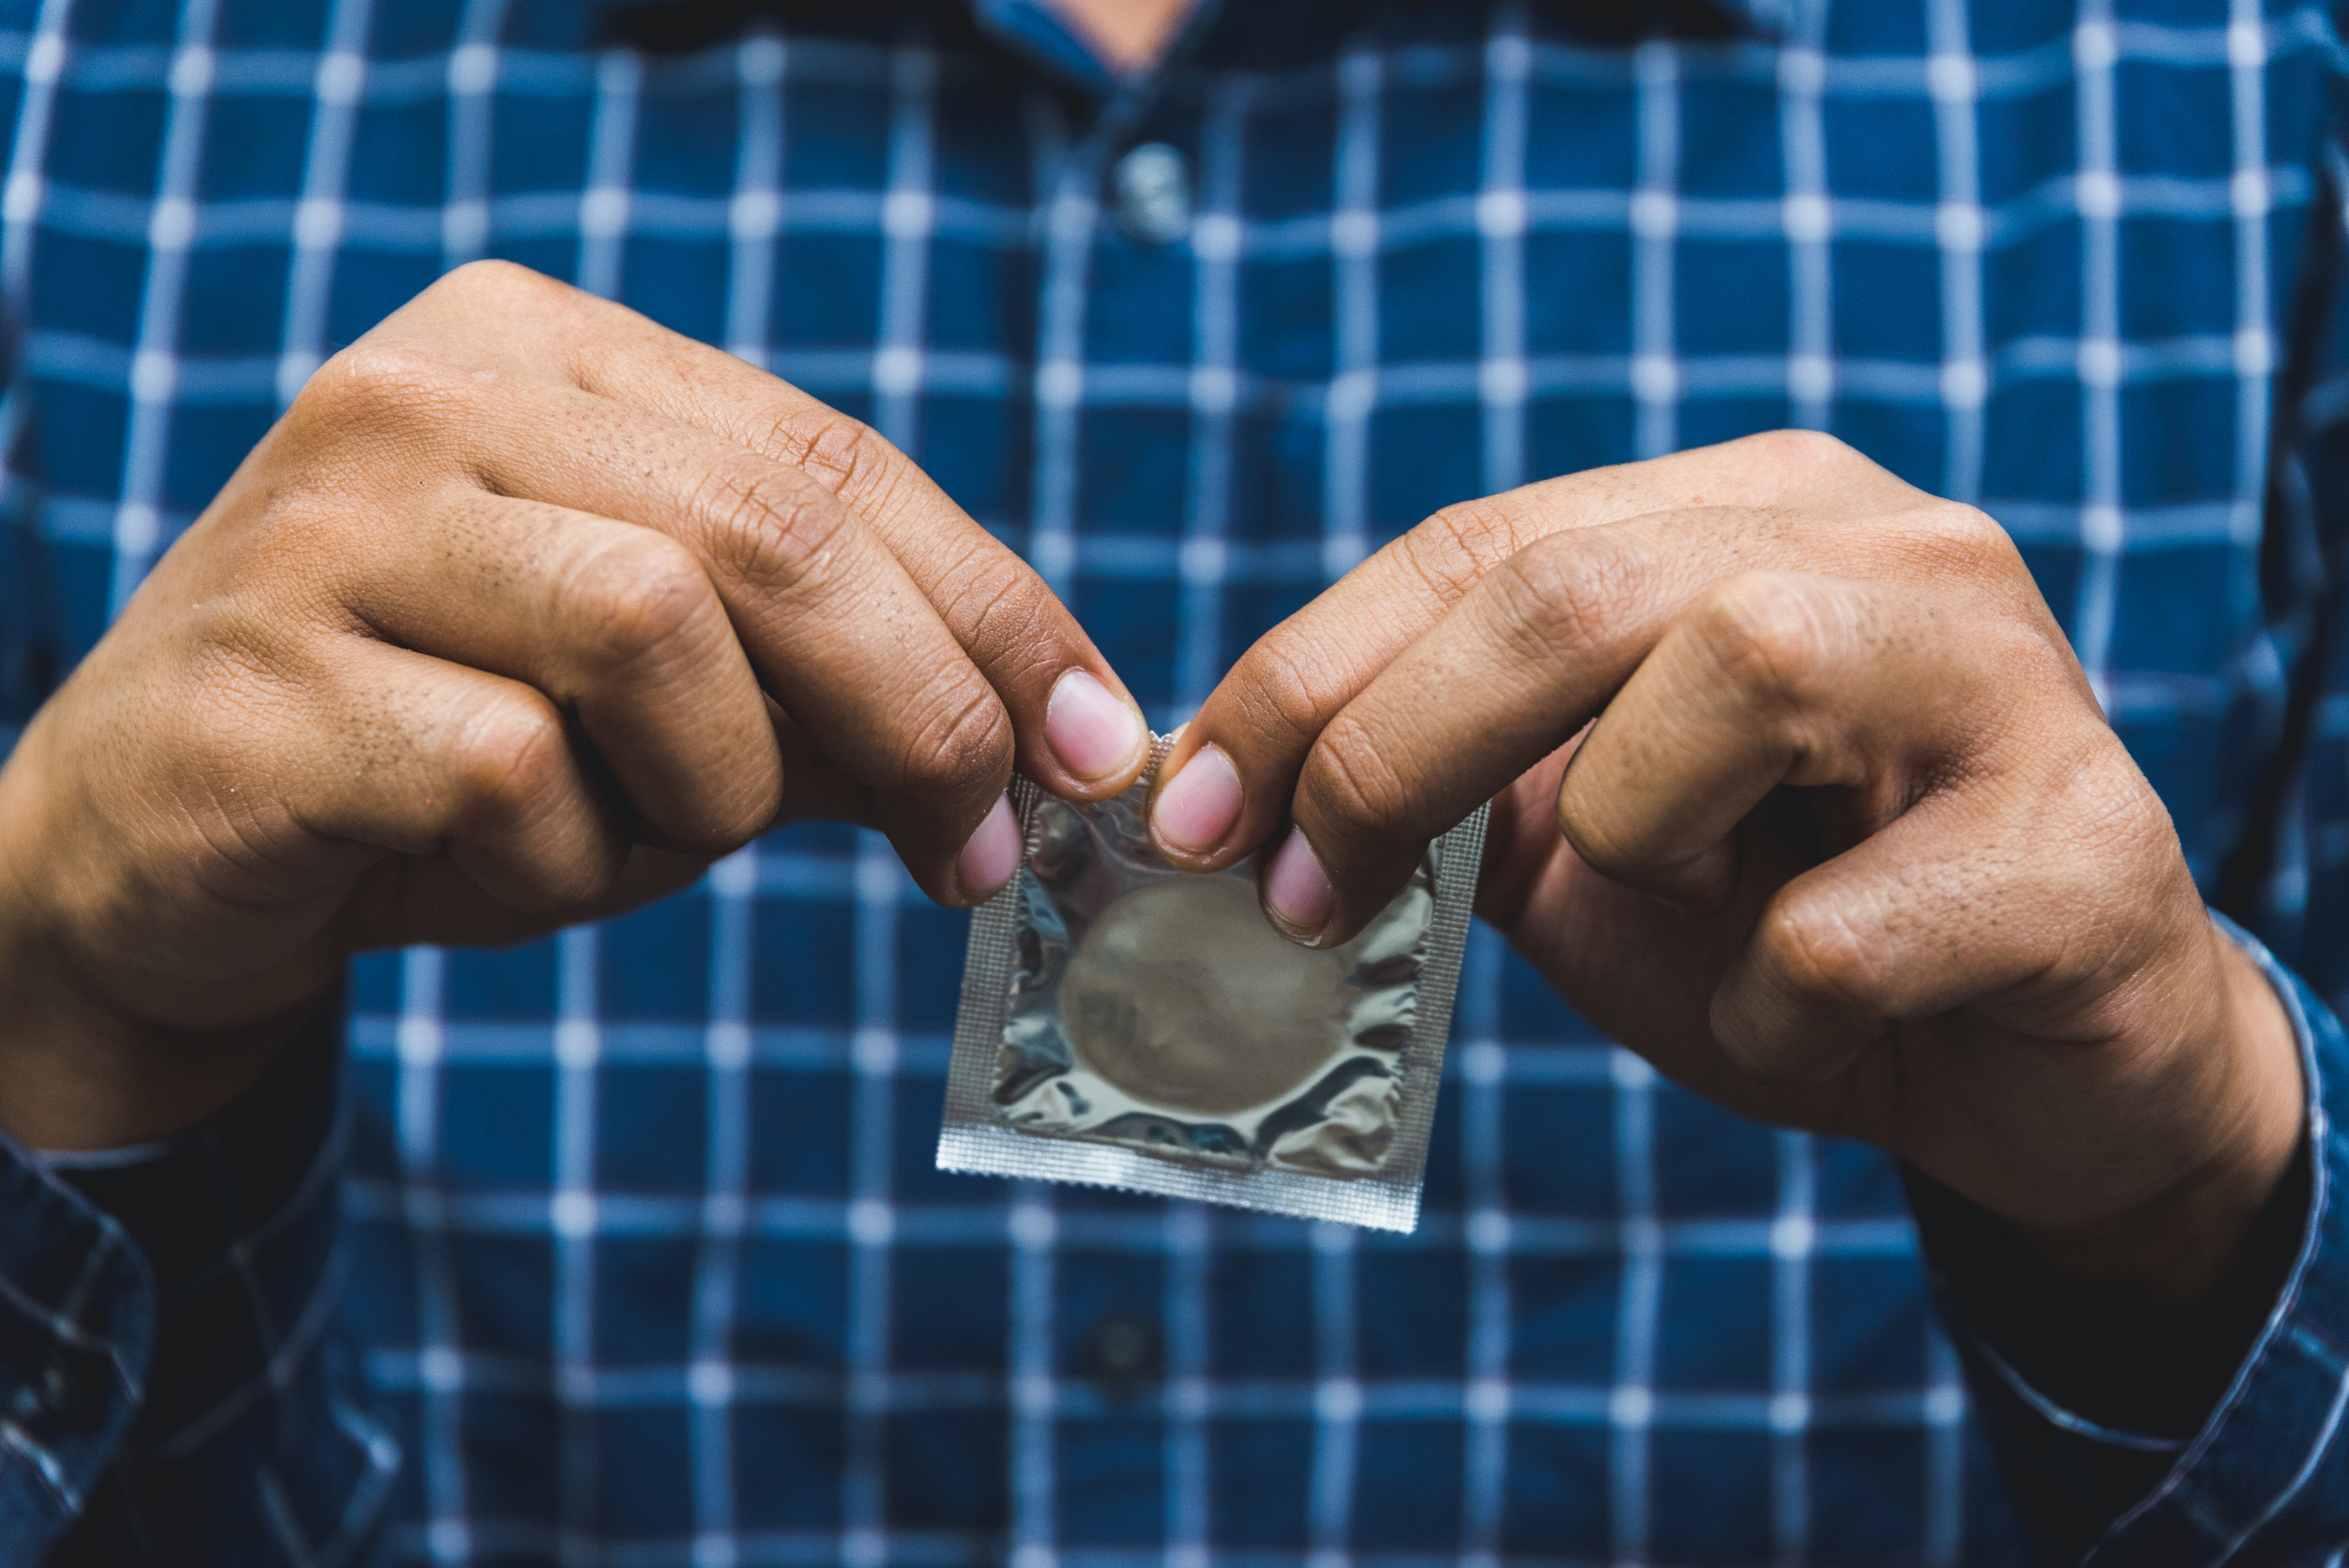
x=1198, y=806
x=987, y=862
x=1090, y=732
x=1297, y=888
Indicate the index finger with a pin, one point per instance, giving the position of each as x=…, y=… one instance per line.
x=1083, y=738
x=1264, y=717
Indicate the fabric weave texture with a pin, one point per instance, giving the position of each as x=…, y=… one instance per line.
x=625, y=1248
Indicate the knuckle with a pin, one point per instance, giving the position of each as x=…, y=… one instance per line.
x=1799, y=448
x=1559, y=598
x=635, y=599
x=1005, y=614
x=498, y=282
x=2008, y=654
x=1766, y=633
x=1276, y=689
x=1962, y=539
x=1352, y=786
x=299, y=550
x=1598, y=837
x=741, y=815
x=1817, y=956
x=509, y=761
x=378, y=384
x=2099, y=799
x=1459, y=546
x=771, y=527
x=417, y=362
x=850, y=455
x=959, y=742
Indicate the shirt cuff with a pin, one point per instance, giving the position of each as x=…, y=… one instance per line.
x=234, y=1426
x=76, y=1335
x=2261, y=1480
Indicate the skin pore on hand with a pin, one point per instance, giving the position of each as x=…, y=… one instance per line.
x=1127, y=34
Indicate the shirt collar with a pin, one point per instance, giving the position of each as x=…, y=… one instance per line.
x=1033, y=30
x=1755, y=16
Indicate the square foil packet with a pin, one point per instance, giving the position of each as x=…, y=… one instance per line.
x=1129, y=1024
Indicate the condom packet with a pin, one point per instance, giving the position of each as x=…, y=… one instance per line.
x=1125, y=1024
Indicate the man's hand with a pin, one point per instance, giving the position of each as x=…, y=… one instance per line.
x=525, y=610
x=1847, y=843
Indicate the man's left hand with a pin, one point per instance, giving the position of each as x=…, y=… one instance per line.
x=1798, y=791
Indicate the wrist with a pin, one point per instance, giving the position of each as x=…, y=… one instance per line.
x=76, y=1070
x=2140, y=1319
x=76, y=1074
x=2163, y=1261
x=2099, y=1354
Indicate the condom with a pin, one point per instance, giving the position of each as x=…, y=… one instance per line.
x=1130, y=1025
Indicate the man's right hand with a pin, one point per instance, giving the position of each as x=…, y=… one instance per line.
x=526, y=611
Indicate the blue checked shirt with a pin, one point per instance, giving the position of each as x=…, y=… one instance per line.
x=626, y=1249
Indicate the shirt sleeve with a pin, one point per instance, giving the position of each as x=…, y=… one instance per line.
x=2263, y=1478
x=172, y=1384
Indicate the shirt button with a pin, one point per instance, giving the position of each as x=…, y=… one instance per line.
x=1121, y=1352
x=1153, y=193
x=61, y=1391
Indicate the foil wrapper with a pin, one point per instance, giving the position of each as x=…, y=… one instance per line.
x=1130, y=1025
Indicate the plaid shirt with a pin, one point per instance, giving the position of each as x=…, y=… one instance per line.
x=625, y=1247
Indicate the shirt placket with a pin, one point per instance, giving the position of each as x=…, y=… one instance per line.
x=1128, y=221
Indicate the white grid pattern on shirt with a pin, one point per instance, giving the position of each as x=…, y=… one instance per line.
x=440, y=1364
x=1215, y=377
x=907, y=211
x=754, y=218
x=718, y=1265
x=752, y=223
x=1656, y=382
x=1501, y=223
x=1483, y=1066
x=21, y=199
x=64, y=1324
x=1809, y=220
x=23, y=194
x=1660, y=214
x=325, y=178
x=898, y=373
x=1810, y=386
x=1069, y=215
x=471, y=78
x=1215, y=382
x=2097, y=196
x=578, y=1030
x=1656, y=219
x=1351, y=397
x=1953, y=79
x=1502, y=201
x=574, y=1211
x=2255, y=354
x=171, y=231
